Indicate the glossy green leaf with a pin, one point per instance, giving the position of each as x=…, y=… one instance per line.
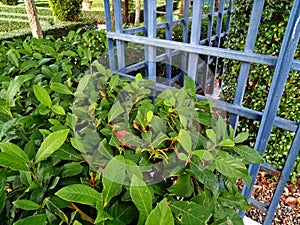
x=182, y=156
x=65, y=152
x=14, y=87
x=79, y=193
x=110, y=190
x=123, y=212
x=131, y=140
x=27, y=65
x=13, y=58
x=51, y=144
x=56, y=209
x=4, y=127
x=115, y=111
x=113, y=179
x=185, y=140
x=42, y=95
x=3, y=188
x=236, y=200
x=205, y=176
x=160, y=215
x=40, y=219
x=114, y=80
x=26, y=204
x=190, y=213
x=149, y=116
x=241, y=137
x=226, y=215
x=101, y=214
x=13, y=156
x=189, y=86
x=141, y=196
x=183, y=186
x=49, y=50
x=58, y=109
x=60, y=88
x=27, y=48
x=228, y=143
x=211, y=135
x=249, y=154
x=204, y=154
x=230, y=166
x=71, y=169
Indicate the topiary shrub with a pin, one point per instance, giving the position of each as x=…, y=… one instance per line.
x=65, y=10
x=9, y=2
x=270, y=36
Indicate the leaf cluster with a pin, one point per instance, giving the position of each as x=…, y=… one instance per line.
x=38, y=81
x=103, y=149
x=167, y=154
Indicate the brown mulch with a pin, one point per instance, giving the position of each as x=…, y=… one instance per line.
x=288, y=211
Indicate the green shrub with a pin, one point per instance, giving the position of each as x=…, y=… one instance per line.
x=66, y=10
x=270, y=36
x=9, y=2
x=47, y=174
x=26, y=64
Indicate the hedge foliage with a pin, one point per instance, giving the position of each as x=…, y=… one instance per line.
x=66, y=10
x=270, y=36
x=16, y=23
x=9, y=2
x=151, y=168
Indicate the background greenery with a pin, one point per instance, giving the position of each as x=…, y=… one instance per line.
x=14, y=22
x=270, y=36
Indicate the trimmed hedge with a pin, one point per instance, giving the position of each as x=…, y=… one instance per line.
x=9, y=2
x=56, y=31
x=270, y=36
x=15, y=22
x=66, y=10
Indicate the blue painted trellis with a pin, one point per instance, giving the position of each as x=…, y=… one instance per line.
x=210, y=46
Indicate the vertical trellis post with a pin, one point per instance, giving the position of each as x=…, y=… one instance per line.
x=150, y=25
x=185, y=34
x=195, y=38
x=169, y=29
x=119, y=29
x=245, y=66
x=110, y=41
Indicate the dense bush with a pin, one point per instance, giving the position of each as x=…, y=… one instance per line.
x=21, y=9
x=270, y=36
x=49, y=174
x=66, y=10
x=9, y=2
x=57, y=30
x=51, y=64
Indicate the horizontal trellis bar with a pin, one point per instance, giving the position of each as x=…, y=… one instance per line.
x=279, y=122
x=203, y=50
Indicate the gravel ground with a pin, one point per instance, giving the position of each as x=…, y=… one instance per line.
x=288, y=211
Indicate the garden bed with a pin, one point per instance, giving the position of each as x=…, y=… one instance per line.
x=288, y=211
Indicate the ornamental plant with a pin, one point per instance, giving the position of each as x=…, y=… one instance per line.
x=97, y=148
x=65, y=10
